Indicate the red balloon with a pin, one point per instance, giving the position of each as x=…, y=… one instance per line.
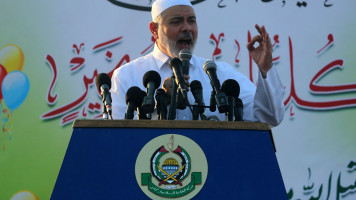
x=3, y=73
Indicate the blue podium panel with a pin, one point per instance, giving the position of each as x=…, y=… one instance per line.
x=100, y=161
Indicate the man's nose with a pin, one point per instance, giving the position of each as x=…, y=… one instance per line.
x=187, y=27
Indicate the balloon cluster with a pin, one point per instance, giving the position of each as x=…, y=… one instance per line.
x=14, y=84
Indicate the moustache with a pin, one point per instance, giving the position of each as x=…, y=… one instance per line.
x=185, y=36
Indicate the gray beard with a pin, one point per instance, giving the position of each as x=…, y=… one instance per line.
x=171, y=45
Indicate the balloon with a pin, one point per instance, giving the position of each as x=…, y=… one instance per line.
x=12, y=58
x=3, y=73
x=24, y=195
x=15, y=87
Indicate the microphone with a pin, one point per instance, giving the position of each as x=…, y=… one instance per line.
x=232, y=90
x=173, y=101
x=239, y=110
x=220, y=97
x=197, y=91
x=176, y=65
x=212, y=106
x=185, y=55
x=141, y=113
x=103, y=83
x=161, y=99
x=151, y=80
x=134, y=98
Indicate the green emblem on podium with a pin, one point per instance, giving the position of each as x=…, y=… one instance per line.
x=169, y=171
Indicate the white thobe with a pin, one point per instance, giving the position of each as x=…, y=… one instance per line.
x=263, y=103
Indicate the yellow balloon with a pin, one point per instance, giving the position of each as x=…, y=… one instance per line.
x=12, y=58
x=24, y=195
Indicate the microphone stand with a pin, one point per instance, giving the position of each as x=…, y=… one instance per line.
x=106, y=106
x=173, y=103
x=142, y=115
x=196, y=111
x=203, y=117
x=180, y=103
x=108, y=109
x=239, y=110
x=105, y=113
x=231, y=111
x=212, y=102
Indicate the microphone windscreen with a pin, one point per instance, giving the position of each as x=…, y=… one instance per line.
x=231, y=88
x=135, y=94
x=152, y=76
x=195, y=85
x=185, y=54
x=209, y=64
x=102, y=79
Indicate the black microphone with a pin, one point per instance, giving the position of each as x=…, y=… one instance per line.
x=103, y=83
x=197, y=91
x=220, y=97
x=134, y=98
x=176, y=65
x=185, y=55
x=232, y=90
x=141, y=113
x=151, y=81
x=173, y=101
x=239, y=107
x=212, y=106
x=161, y=99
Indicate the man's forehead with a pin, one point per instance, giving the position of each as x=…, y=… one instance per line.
x=180, y=11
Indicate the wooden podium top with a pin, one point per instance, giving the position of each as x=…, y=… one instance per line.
x=176, y=124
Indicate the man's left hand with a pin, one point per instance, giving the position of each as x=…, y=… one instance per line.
x=262, y=55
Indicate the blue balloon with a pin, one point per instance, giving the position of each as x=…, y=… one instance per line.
x=15, y=88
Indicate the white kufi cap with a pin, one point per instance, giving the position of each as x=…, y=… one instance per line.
x=161, y=5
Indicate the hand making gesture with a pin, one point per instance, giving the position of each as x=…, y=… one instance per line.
x=262, y=55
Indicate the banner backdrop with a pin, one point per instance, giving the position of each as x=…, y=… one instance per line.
x=51, y=52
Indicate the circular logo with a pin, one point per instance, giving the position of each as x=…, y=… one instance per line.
x=171, y=166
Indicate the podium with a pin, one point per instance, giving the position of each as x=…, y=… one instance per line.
x=100, y=159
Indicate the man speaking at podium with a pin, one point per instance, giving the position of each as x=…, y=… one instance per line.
x=174, y=26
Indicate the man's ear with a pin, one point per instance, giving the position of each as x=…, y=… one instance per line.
x=154, y=29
